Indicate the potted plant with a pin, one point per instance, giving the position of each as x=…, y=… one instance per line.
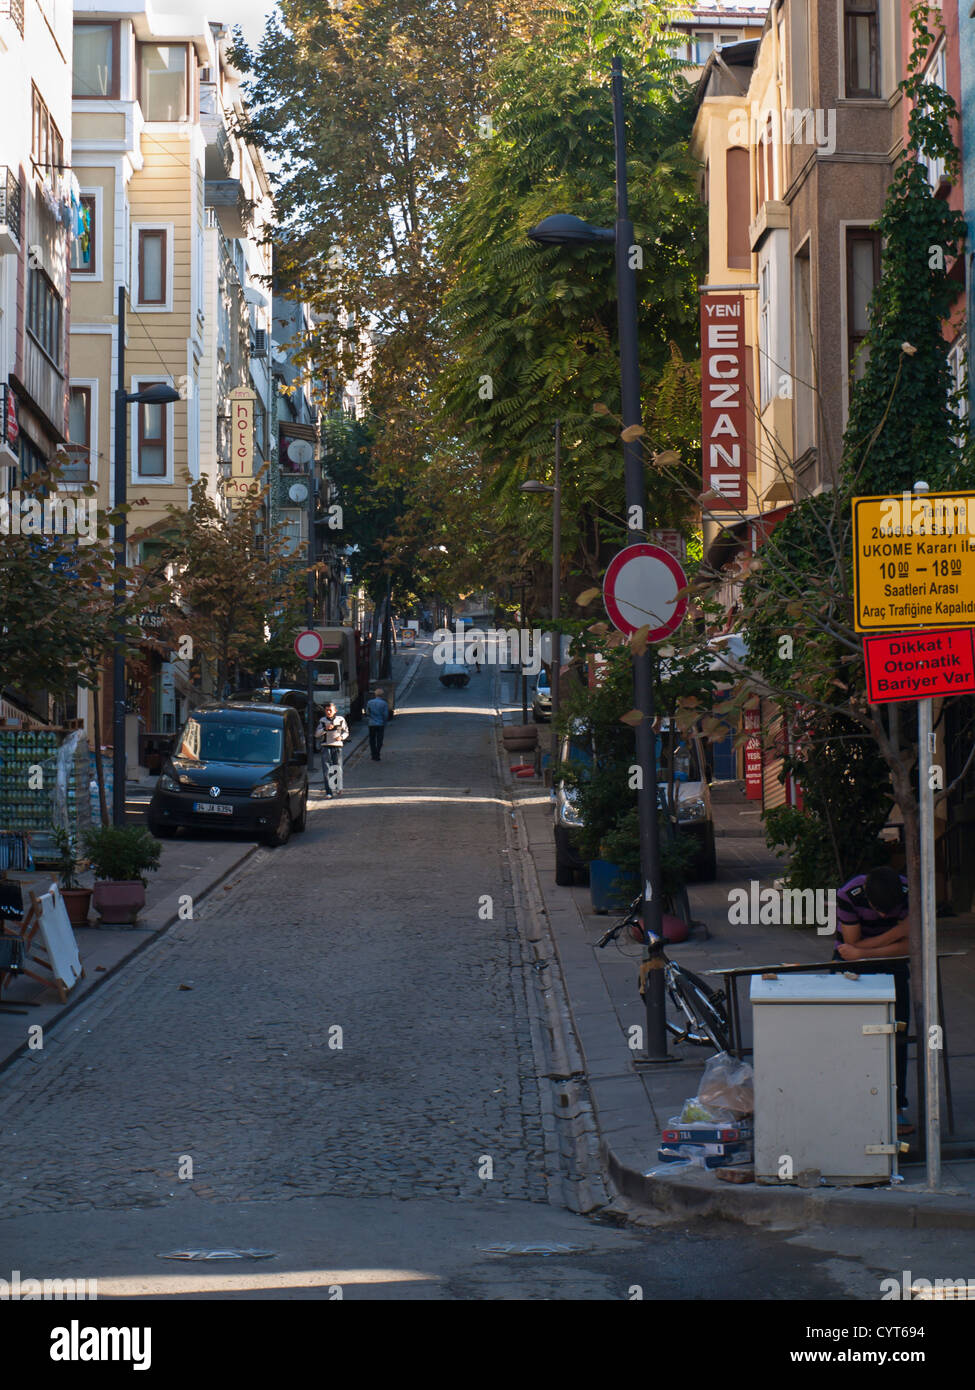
x=121, y=856
x=77, y=900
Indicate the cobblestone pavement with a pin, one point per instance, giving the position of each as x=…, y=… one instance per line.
x=344, y=1019
x=345, y=1025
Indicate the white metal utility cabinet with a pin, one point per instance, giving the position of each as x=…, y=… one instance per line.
x=825, y=1093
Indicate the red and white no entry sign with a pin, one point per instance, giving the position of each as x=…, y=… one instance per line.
x=308, y=645
x=641, y=586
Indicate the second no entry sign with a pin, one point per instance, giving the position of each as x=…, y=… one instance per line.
x=641, y=587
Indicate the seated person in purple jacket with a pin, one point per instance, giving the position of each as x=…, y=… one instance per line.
x=872, y=929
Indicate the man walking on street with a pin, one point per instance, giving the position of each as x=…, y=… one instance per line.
x=333, y=732
x=377, y=714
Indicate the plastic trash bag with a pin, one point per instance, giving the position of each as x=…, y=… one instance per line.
x=728, y=1083
x=694, y=1112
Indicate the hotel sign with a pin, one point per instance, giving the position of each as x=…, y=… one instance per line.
x=242, y=432
x=723, y=411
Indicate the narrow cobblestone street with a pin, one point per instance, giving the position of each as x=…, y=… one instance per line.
x=334, y=1060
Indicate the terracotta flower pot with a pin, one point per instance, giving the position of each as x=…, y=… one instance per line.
x=77, y=901
x=118, y=902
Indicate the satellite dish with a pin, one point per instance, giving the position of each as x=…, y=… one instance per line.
x=298, y=492
x=300, y=451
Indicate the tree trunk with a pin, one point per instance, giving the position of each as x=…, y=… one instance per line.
x=99, y=767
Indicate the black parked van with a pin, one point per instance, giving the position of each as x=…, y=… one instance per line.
x=235, y=767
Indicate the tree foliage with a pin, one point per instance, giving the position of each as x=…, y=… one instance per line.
x=238, y=597
x=57, y=593
x=532, y=332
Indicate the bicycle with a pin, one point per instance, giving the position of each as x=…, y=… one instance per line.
x=704, y=1009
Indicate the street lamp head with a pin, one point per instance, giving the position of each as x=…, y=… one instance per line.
x=154, y=395
x=565, y=229
x=533, y=485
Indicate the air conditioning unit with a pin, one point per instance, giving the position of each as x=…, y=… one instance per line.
x=260, y=343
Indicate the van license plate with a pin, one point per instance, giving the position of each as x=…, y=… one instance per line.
x=212, y=807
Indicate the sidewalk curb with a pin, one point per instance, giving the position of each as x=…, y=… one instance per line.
x=619, y=1092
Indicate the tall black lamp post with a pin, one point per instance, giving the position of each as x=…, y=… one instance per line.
x=567, y=230
x=152, y=395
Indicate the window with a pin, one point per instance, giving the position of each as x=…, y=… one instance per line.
x=152, y=457
x=862, y=42
x=937, y=75
x=46, y=145
x=703, y=47
x=96, y=59
x=958, y=368
x=152, y=267
x=805, y=417
x=79, y=416
x=862, y=274
x=83, y=248
x=78, y=470
x=738, y=205
x=765, y=332
x=44, y=314
x=164, y=81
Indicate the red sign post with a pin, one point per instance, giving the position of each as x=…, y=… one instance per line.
x=919, y=665
x=723, y=407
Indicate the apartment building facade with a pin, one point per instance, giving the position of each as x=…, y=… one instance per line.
x=177, y=206
x=39, y=212
x=797, y=135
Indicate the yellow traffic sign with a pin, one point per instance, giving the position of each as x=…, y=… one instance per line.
x=914, y=561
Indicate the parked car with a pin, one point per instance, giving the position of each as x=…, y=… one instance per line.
x=235, y=766
x=690, y=809
x=454, y=673
x=542, y=699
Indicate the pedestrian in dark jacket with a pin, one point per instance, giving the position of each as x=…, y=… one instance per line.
x=377, y=717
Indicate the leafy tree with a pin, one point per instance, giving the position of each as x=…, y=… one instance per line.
x=366, y=110
x=57, y=610
x=237, y=598
x=533, y=332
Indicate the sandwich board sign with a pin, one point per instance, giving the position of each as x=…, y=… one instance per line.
x=51, y=941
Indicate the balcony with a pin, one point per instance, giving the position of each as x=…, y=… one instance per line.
x=233, y=211
x=219, y=155
x=9, y=431
x=44, y=384
x=11, y=208
x=13, y=9
x=77, y=466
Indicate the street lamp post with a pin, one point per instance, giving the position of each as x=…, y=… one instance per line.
x=532, y=485
x=152, y=395
x=567, y=230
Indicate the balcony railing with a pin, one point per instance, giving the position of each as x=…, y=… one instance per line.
x=13, y=9
x=10, y=209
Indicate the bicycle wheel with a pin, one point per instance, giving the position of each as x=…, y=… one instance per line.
x=706, y=1006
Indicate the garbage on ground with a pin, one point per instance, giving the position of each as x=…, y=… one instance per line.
x=728, y=1083
x=704, y=1155
x=695, y=1113
x=217, y=1255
